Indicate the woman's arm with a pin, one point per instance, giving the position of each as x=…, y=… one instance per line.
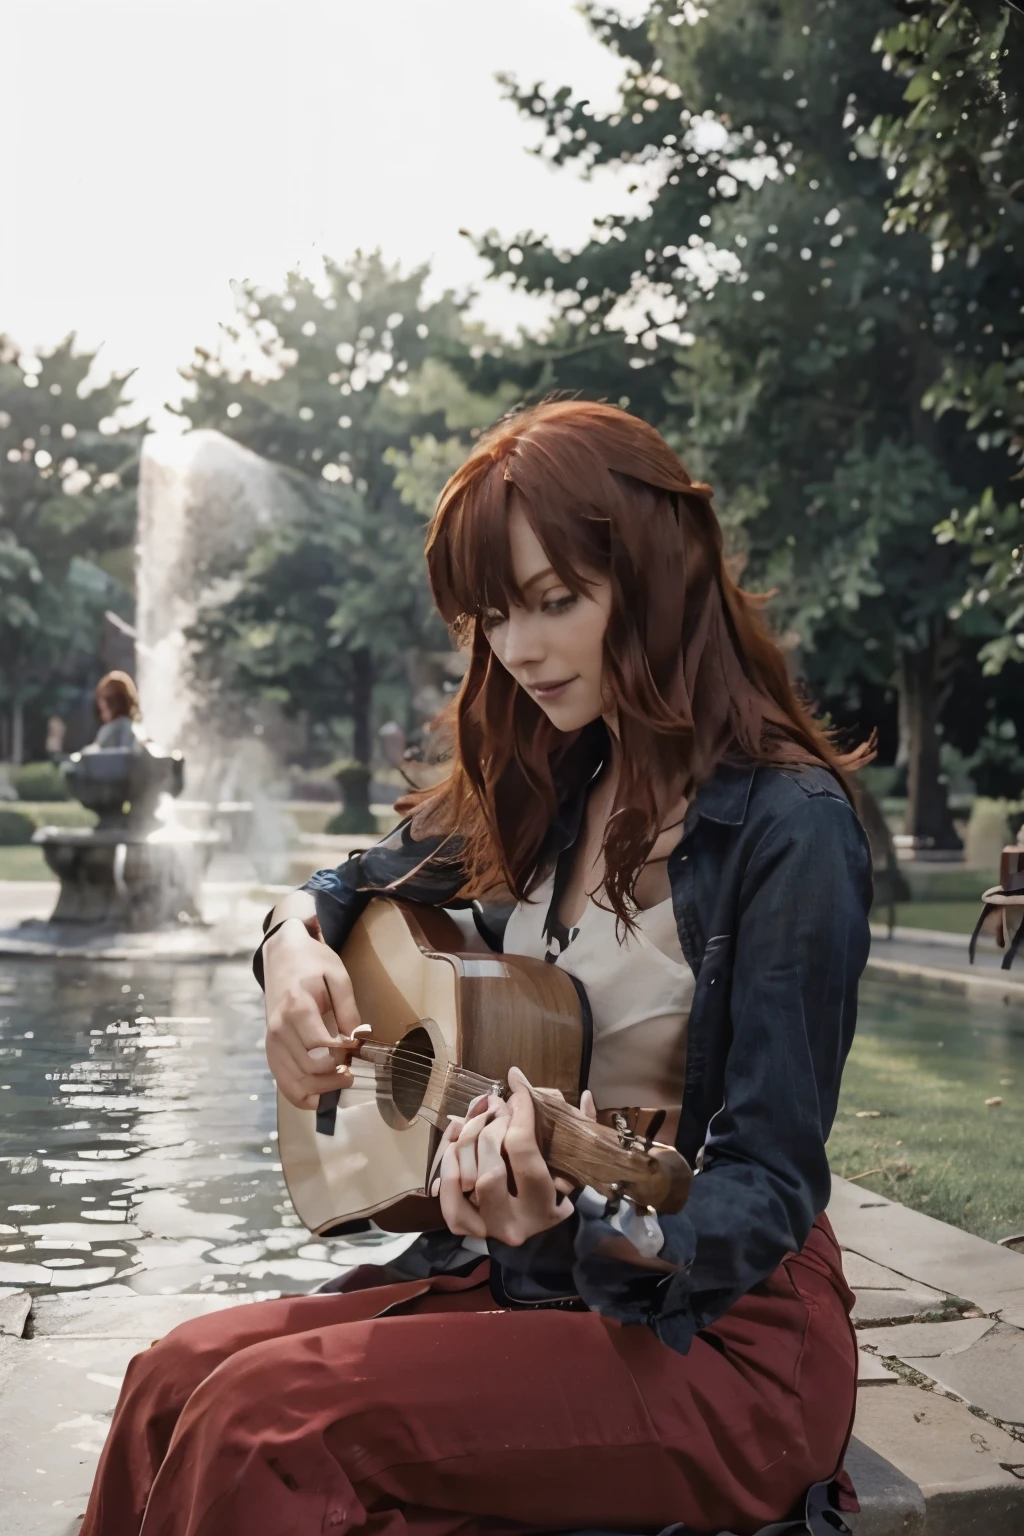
x=309, y=998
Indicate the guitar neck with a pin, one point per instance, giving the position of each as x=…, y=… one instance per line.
x=573, y=1147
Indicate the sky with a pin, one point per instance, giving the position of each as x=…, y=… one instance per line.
x=152, y=152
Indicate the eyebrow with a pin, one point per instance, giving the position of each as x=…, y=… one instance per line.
x=539, y=576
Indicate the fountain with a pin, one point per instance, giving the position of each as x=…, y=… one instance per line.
x=129, y=872
x=132, y=885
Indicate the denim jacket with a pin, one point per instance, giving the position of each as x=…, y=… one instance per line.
x=771, y=888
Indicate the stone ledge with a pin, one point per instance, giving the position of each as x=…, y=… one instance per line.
x=926, y=1251
x=891, y=1504
x=141, y=1318
x=969, y=1472
x=883, y=1296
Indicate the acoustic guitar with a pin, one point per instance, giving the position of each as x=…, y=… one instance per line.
x=447, y=1026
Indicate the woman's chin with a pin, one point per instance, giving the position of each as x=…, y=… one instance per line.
x=567, y=716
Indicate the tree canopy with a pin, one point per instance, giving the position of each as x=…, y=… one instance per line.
x=958, y=154
x=345, y=381
x=785, y=329
x=68, y=473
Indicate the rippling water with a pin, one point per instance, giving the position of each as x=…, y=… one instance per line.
x=138, y=1148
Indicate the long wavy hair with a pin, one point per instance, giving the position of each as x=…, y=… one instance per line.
x=694, y=673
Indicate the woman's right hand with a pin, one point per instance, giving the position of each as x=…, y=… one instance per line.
x=309, y=1004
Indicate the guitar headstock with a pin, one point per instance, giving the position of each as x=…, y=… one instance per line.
x=584, y=1152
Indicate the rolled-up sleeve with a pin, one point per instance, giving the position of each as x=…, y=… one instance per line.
x=801, y=942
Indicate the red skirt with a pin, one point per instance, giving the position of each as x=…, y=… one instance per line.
x=419, y=1407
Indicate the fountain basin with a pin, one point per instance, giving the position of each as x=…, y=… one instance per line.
x=121, y=878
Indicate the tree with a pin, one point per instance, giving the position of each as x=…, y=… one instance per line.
x=348, y=374
x=764, y=315
x=959, y=159
x=67, y=518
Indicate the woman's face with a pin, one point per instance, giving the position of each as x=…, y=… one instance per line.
x=553, y=645
x=105, y=708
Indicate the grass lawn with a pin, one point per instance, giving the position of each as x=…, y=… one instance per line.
x=942, y=916
x=55, y=813
x=913, y=1124
x=24, y=864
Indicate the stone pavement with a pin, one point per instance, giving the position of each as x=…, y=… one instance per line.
x=922, y=954
x=940, y=1323
x=938, y=1446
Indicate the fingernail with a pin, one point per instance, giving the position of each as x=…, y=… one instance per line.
x=435, y=1188
x=481, y=1098
x=319, y=1053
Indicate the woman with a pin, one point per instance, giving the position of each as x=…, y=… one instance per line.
x=632, y=768
x=117, y=704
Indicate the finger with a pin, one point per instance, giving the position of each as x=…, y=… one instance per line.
x=460, y=1216
x=286, y=1055
x=449, y=1135
x=343, y=1003
x=300, y=1014
x=529, y=1169
x=309, y=1084
x=299, y=1089
x=307, y=1063
x=508, y=1215
x=465, y=1146
x=492, y=1191
x=587, y=1104
x=346, y=1045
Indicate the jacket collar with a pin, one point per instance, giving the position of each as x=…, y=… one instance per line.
x=724, y=797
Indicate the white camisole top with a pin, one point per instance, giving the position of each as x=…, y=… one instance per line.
x=640, y=992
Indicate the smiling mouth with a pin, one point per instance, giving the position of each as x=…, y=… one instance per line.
x=549, y=690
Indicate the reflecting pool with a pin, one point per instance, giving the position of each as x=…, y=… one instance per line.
x=138, y=1147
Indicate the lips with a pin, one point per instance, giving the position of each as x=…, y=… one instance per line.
x=549, y=690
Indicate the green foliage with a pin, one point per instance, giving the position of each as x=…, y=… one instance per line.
x=16, y=828
x=40, y=782
x=765, y=312
x=67, y=505
x=352, y=390
x=959, y=157
x=355, y=815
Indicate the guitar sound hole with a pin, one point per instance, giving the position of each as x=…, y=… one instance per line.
x=411, y=1062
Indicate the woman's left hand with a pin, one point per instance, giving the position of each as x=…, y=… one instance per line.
x=490, y=1175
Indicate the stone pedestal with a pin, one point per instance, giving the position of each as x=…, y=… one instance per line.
x=119, y=878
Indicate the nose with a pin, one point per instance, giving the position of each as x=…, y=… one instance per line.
x=522, y=639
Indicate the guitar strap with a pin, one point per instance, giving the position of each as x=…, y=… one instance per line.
x=588, y=1030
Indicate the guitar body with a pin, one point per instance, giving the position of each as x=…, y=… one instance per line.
x=367, y=1151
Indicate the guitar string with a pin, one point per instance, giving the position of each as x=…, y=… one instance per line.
x=412, y=1071
x=420, y=1061
x=450, y=1091
x=474, y=1084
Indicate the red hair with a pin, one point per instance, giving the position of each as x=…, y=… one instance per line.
x=120, y=693
x=693, y=669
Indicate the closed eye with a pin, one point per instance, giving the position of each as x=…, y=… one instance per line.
x=560, y=604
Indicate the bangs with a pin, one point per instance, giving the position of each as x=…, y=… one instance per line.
x=469, y=555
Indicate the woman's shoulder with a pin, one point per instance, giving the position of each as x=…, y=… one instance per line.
x=791, y=785
x=808, y=800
